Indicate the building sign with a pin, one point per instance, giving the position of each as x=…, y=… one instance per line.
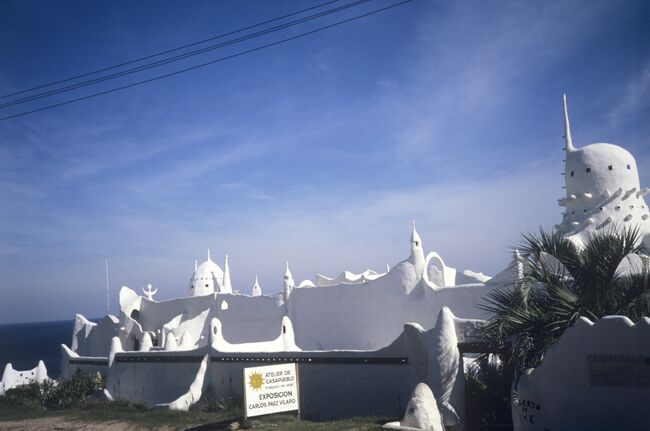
x=271, y=389
x=622, y=371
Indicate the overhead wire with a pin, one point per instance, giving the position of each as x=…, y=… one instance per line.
x=218, y=60
x=180, y=57
x=168, y=51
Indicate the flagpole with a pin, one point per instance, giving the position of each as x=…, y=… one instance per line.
x=108, y=297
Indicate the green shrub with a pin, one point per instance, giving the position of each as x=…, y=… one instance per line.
x=22, y=396
x=487, y=392
x=209, y=403
x=55, y=394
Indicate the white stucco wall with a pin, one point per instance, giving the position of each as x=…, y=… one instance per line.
x=597, y=377
x=89, y=338
x=72, y=363
x=355, y=382
x=365, y=316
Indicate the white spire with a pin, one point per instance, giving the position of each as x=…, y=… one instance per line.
x=257, y=290
x=288, y=282
x=417, y=252
x=209, y=258
x=196, y=264
x=227, y=286
x=567, y=128
x=415, y=238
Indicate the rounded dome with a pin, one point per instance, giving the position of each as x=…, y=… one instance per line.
x=206, y=277
x=600, y=169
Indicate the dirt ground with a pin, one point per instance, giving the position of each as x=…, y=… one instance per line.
x=57, y=423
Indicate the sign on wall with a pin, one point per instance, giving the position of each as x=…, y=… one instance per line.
x=619, y=371
x=271, y=389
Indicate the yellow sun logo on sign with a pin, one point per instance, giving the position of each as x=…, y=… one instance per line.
x=255, y=381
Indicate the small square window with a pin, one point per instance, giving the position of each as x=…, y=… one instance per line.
x=610, y=167
x=572, y=173
x=588, y=170
x=628, y=166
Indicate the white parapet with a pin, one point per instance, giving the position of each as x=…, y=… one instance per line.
x=284, y=343
x=14, y=378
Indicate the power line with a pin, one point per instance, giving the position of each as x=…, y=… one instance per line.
x=218, y=60
x=180, y=56
x=168, y=51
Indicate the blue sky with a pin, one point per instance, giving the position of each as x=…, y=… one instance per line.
x=320, y=151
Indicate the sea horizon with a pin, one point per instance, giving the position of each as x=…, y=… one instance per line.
x=26, y=343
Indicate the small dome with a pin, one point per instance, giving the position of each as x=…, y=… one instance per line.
x=206, y=278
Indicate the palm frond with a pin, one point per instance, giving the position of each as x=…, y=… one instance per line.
x=558, y=283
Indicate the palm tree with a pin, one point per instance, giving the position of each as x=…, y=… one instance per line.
x=557, y=282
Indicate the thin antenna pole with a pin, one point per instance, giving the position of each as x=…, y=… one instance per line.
x=108, y=296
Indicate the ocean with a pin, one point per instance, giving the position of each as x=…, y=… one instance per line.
x=24, y=344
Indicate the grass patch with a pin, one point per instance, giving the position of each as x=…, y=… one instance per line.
x=76, y=400
x=195, y=420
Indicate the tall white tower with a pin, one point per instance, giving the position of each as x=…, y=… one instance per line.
x=602, y=189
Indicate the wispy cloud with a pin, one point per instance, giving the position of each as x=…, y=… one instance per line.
x=634, y=100
x=474, y=63
x=321, y=154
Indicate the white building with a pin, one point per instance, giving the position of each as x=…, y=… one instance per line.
x=365, y=339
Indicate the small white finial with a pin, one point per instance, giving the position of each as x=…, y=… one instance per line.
x=567, y=127
x=150, y=292
x=196, y=264
x=209, y=258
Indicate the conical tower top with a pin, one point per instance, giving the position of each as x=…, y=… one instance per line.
x=567, y=128
x=415, y=237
